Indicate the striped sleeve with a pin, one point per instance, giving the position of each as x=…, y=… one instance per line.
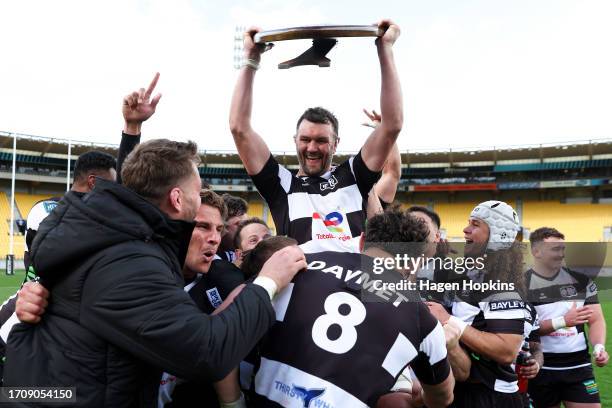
x=431, y=365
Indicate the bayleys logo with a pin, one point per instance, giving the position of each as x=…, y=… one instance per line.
x=331, y=220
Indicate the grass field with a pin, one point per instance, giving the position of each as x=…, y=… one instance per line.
x=10, y=284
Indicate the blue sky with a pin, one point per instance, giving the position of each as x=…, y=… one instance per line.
x=475, y=73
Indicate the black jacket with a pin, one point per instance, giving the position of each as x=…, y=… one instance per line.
x=117, y=314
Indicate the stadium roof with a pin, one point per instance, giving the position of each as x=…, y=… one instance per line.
x=587, y=149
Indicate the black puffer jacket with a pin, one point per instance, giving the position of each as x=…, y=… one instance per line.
x=117, y=314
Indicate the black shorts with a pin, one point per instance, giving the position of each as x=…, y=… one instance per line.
x=551, y=387
x=469, y=395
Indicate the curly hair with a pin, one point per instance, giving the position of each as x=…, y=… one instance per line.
x=390, y=229
x=507, y=265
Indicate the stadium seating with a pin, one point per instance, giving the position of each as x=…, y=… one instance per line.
x=454, y=218
x=25, y=202
x=579, y=222
x=19, y=240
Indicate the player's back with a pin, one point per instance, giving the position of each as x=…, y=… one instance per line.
x=331, y=348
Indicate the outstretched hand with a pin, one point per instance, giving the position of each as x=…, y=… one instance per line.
x=374, y=117
x=139, y=106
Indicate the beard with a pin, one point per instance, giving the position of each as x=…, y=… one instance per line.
x=324, y=162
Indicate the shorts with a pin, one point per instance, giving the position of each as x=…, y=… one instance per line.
x=551, y=387
x=468, y=395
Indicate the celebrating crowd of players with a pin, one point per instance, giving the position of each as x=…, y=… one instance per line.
x=151, y=290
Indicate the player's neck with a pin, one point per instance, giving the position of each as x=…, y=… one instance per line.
x=544, y=271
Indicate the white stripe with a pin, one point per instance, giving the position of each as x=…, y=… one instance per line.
x=345, y=200
x=281, y=302
x=565, y=368
x=505, y=386
x=319, y=245
x=8, y=325
x=285, y=178
x=8, y=300
x=465, y=311
x=351, y=166
x=281, y=383
x=400, y=354
x=434, y=345
x=187, y=288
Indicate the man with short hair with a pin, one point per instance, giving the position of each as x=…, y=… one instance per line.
x=91, y=165
x=323, y=206
x=236, y=213
x=565, y=300
x=249, y=233
x=112, y=262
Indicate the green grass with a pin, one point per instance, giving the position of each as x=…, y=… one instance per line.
x=604, y=375
x=10, y=284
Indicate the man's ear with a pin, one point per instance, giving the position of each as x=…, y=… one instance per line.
x=175, y=198
x=91, y=182
x=361, y=242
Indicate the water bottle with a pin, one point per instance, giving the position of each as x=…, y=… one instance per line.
x=521, y=361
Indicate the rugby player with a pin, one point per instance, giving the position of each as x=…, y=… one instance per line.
x=566, y=301
x=337, y=344
x=322, y=207
x=492, y=322
x=249, y=233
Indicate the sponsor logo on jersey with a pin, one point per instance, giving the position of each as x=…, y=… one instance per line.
x=214, y=297
x=310, y=397
x=331, y=220
x=568, y=291
x=507, y=305
x=329, y=184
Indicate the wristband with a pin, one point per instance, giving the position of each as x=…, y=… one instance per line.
x=558, y=323
x=268, y=284
x=598, y=348
x=239, y=403
x=251, y=63
x=459, y=323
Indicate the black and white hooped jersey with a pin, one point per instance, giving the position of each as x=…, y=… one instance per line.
x=532, y=324
x=493, y=312
x=325, y=213
x=330, y=348
x=553, y=297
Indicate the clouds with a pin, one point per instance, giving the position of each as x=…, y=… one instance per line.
x=479, y=73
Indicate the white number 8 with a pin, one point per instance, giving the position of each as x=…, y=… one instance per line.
x=347, y=323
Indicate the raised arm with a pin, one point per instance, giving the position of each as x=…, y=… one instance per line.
x=386, y=187
x=377, y=147
x=252, y=149
x=137, y=107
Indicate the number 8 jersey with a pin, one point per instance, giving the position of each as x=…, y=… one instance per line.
x=329, y=348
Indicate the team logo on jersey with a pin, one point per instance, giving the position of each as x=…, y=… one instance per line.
x=331, y=220
x=329, y=184
x=568, y=291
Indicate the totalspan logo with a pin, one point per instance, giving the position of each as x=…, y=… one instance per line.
x=331, y=220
